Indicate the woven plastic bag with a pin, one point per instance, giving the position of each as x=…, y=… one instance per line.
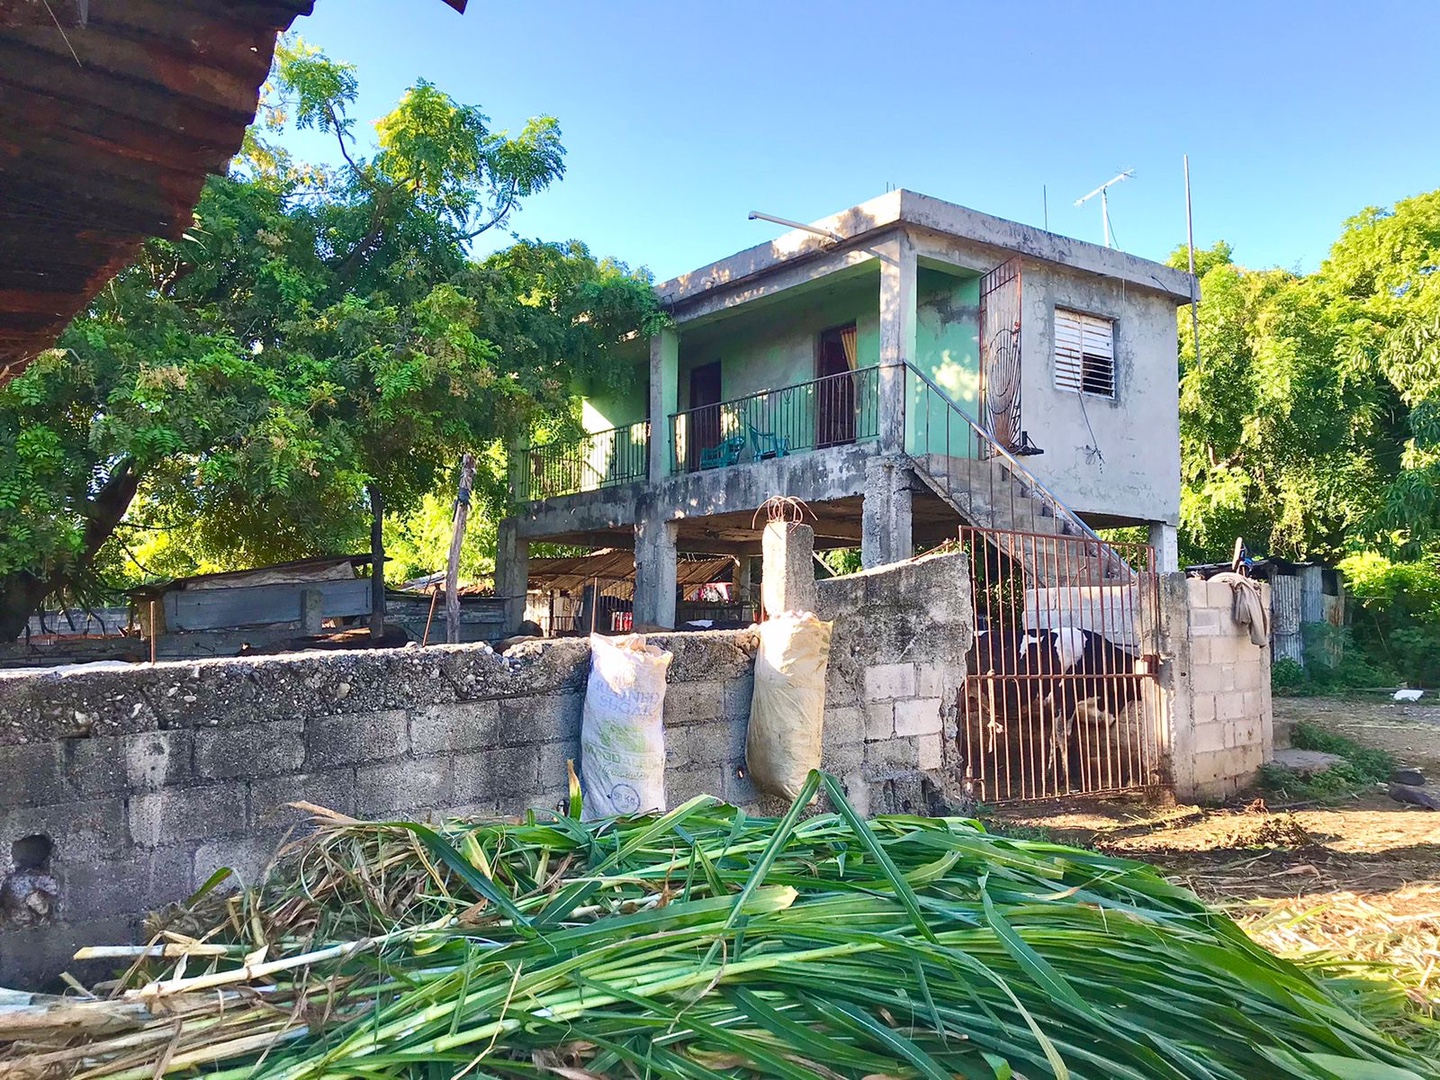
x=787, y=711
x=622, y=739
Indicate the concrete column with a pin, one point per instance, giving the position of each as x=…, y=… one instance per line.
x=897, y=337
x=664, y=400
x=1165, y=539
x=746, y=579
x=512, y=573
x=788, y=583
x=886, y=535
x=655, y=582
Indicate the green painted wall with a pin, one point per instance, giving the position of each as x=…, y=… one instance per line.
x=603, y=408
x=772, y=346
x=947, y=349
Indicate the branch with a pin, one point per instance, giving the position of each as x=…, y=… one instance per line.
x=498, y=217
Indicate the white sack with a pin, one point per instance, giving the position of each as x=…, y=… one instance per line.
x=787, y=712
x=622, y=741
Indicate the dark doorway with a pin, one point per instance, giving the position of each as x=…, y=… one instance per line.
x=835, y=388
x=704, y=412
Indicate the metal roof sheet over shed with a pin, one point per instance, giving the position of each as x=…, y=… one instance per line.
x=112, y=114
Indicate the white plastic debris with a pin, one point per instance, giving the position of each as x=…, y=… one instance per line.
x=1409, y=695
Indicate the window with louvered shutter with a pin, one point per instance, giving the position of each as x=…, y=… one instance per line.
x=1084, y=354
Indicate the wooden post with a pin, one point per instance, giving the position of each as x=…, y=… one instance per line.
x=377, y=562
x=457, y=539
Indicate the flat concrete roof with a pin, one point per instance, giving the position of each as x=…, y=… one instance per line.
x=901, y=208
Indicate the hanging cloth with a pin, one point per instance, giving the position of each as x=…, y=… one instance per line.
x=1249, y=607
x=850, y=343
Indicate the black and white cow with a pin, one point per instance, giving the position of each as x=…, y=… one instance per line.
x=1033, y=696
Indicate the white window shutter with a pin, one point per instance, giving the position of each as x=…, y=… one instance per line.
x=1084, y=354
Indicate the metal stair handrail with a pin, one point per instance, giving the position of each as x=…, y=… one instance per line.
x=1056, y=505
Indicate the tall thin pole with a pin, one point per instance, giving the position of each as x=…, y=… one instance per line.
x=457, y=540
x=1045, y=205
x=1194, y=286
x=1105, y=214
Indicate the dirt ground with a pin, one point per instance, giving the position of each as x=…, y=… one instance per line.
x=1359, y=880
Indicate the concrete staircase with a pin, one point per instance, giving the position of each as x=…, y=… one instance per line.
x=1055, y=549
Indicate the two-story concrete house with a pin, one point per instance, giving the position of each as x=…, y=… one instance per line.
x=902, y=367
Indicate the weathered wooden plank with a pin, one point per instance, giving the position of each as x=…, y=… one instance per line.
x=261, y=605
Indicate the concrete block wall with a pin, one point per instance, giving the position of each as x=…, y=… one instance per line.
x=1218, y=687
x=148, y=778
x=897, y=663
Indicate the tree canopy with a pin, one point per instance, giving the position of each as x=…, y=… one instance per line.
x=1309, y=423
x=320, y=335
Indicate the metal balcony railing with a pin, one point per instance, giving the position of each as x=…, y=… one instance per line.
x=830, y=411
x=600, y=459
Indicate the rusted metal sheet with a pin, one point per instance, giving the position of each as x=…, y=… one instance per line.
x=112, y=114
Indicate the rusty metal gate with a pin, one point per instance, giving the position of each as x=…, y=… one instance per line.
x=1060, y=694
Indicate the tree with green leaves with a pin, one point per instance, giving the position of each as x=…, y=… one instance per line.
x=318, y=348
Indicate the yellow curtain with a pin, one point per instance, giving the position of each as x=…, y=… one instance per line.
x=849, y=343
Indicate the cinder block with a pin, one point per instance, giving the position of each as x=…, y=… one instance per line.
x=1212, y=678
x=33, y=776
x=461, y=725
x=1210, y=738
x=156, y=759
x=739, y=693
x=931, y=751
x=94, y=767
x=541, y=719
x=1204, y=622
x=402, y=787
x=247, y=858
x=695, y=703
x=919, y=716
x=1201, y=651
x=681, y=785
x=844, y=725
x=1220, y=596
x=271, y=749
x=1249, y=676
x=501, y=774
x=885, y=759
x=179, y=814
x=719, y=742
x=889, y=681
x=334, y=790
x=87, y=830
x=553, y=756
x=347, y=740
x=131, y=886
x=879, y=721
x=938, y=680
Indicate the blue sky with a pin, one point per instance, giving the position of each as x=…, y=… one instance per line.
x=680, y=118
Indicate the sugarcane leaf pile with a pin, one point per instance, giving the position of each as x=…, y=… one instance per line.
x=701, y=944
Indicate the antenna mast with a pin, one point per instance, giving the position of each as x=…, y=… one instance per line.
x=1105, y=200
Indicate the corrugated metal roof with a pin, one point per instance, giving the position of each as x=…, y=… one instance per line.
x=112, y=114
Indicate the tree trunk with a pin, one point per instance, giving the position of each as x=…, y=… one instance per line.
x=377, y=562
x=22, y=592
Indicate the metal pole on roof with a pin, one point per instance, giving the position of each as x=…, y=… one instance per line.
x=1194, y=285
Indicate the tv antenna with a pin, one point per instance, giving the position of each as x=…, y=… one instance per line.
x=1105, y=200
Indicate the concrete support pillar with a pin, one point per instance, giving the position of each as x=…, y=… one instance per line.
x=886, y=534
x=655, y=581
x=664, y=400
x=897, y=337
x=747, y=578
x=512, y=573
x=788, y=583
x=1165, y=539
